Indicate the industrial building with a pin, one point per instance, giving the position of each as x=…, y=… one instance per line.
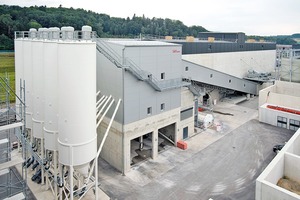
x=279, y=106
x=149, y=82
x=125, y=100
x=222, y=63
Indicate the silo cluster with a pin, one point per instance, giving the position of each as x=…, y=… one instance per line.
x=58, y=67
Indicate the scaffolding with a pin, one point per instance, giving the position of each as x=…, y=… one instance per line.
x=288, y=64
x=12, y=136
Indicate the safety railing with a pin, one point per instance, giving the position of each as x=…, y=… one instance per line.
x=133, y=68
x=56, y=35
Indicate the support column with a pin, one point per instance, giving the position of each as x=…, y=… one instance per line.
x=96, y=178
x=43, y=158
x=55, y=174
x=61, y=180
x=71, y=171
x=154, y=144
x=176, y=132
x=126, y=159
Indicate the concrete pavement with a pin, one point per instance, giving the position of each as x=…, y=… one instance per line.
x=217, y=165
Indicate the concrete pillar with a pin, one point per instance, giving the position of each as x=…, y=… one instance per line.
x=248, y=96
x=176, y=132
x=126, y=160
x=154, y=144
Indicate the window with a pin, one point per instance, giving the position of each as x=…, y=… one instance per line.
x=187, y=113
x=294, y=124
x=162, y=107
x=162, y=76
x=281, y=122
x=186, y=68
x=229, y=80
x=149, y=110
x=211, y=75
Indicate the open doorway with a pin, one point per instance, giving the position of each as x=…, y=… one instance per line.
x=206, y=100
x=166, y=137
x=140, y=148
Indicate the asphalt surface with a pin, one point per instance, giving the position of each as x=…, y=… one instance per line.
x=226, y=169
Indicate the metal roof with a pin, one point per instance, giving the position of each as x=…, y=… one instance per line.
x=142, y=43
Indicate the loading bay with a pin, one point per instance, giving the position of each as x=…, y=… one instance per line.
x=217, y=165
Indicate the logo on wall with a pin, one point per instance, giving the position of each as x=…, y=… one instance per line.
x=176, y=51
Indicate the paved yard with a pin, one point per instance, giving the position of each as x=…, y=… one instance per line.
x=217, y=165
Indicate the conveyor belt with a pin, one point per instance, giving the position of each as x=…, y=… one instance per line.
x=209, y=76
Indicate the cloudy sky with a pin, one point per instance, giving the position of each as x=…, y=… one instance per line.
x=254, y=17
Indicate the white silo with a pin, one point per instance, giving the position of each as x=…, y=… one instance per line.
x=77, y=139
x=19, y=70
x=51, y=90
x=37, y=84
x=86, y=32
x=27, y=67
x=67, y=33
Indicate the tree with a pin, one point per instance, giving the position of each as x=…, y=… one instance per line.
x=6, y=43
x=34, y=24
x=15, y=18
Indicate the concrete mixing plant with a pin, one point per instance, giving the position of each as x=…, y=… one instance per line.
x=58, y=67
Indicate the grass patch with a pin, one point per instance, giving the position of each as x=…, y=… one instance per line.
x=7, y=70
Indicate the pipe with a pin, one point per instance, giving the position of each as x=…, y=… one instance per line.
x=141, y=143
x=100, y=104
x=106, y=102
x=100, y=100
x=98, y=93
x=102, y=117
x=104, y=138
x=166, y=138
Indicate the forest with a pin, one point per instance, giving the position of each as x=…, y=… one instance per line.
x=16, y=18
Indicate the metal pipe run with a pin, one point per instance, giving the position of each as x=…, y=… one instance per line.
x=106, y=102
x=98, y=102
x=102, y=117
x=98, y=93
x=104, y=138
x=141, y=143
x=166, y=138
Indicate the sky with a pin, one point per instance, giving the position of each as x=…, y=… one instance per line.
x=253, y=17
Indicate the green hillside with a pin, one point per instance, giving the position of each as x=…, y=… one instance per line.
x=15, y=18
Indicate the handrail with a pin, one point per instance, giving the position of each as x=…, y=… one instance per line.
x=11, y=90
x=133, y=68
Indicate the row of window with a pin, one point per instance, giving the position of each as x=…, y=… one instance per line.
x=162, y=108
x=282, y=122
x=241, y=46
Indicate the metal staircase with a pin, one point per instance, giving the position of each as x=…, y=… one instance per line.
x=135, y=70
x=13, y=185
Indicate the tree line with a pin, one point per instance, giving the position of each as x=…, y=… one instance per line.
x=15, y=18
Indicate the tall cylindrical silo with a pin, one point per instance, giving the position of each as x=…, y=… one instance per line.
x=38, y=85
x=86, y=32
x=27, y=67
x=67, y=33
x=51, y=90
x=19, y=70
x=77, y=139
